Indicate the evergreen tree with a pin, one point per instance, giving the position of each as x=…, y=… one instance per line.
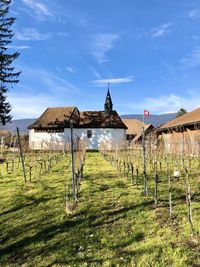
x=7, y=73
x=181, y=112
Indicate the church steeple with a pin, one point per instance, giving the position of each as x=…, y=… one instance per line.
x=108, y=106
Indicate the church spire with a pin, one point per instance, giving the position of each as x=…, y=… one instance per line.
x=108, y=106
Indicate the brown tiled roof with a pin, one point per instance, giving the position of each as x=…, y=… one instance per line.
x=189, y=118
x=146, y=129
x=54, y=117
x=100, y=119
x=134, y=126
x=59, y=117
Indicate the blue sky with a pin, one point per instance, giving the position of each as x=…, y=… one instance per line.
x=149, y=50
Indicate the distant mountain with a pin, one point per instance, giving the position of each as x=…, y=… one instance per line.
x=156, y=120
x=21, y=124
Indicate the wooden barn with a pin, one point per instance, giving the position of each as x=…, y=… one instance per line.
x=52, y=129
x=182, y=135
x=134, y=131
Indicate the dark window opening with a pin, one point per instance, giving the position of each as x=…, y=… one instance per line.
x=89, y=133
x=129, y=137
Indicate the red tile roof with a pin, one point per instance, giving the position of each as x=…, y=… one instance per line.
x=134, y=126
x=54, y=117
x=189, y=118
x=100, y=119
x=59, y=117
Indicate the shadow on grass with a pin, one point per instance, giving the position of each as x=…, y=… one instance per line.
x=136, y=238
x=103, y=187
x=120, y=258
x=154, y=249
x=120, y=184
x=43, y=235
x=23, y=205
x=111, y=216
x=87, y=260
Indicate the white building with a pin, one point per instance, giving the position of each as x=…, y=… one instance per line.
x=52, y=129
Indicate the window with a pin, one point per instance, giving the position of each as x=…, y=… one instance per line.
x=89, y=133
x=129, y=137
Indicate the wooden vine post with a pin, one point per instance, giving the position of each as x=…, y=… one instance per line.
x=72, y=159
x=189, y=201
x=144, y=162
x=156, y=175
x=132, y=172
x=169, y=189
x=21, y=154
x=156, y=183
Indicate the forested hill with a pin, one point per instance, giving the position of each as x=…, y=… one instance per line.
x=22, y=124
x=156, y=120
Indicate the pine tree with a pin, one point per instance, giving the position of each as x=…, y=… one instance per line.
x=181, y=112
x=7, y=74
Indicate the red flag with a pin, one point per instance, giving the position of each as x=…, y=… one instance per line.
x=146, y=112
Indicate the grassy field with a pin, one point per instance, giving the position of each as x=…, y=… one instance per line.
x=113, y=225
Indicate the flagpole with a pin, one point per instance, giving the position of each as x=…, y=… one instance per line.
x=143, y=116
x=144, y=158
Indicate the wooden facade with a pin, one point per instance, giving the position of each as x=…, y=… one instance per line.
x=182, y=139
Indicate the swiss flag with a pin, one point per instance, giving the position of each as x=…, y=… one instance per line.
x=146, y=112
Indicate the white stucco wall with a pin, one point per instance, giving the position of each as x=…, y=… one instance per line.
x=42, y=140
x=99, y=135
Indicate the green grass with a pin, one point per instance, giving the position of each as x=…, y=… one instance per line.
x=113, y=225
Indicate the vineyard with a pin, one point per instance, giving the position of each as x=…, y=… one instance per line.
x=31, y=165
x=161, y=175
x=119, y=207
x=100, y=140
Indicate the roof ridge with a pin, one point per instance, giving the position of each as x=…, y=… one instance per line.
x=63, y=107
x=183, y=120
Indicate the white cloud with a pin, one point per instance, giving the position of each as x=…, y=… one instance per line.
x=195, y=37
x=71, y=69
x=71, y=15
x=21, y=107
x=160, y=31
x=191, y=60
x=31, y=103
x=166, y=103
x=18, y=47
x=194, y=14
x=54, y=83
x=62, y=34
x=51, y=82
x=40, y=9
x=101, y=43
x=95, y=73
x=102, y=82
x=28, y=34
